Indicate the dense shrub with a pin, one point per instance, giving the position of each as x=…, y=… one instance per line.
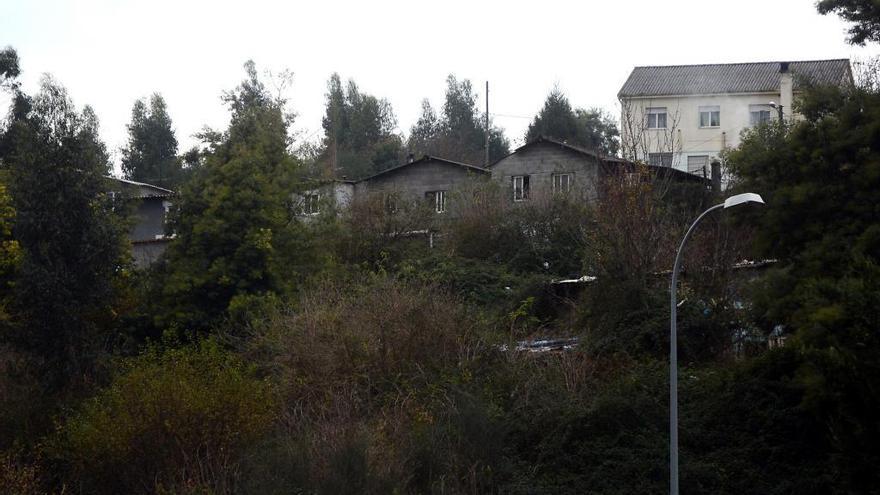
x=176, y=420
x=544, y=235
x=375, y=378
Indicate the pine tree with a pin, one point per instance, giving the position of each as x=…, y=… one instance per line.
x=151, y=152
x=555, y=120
x=591, y=129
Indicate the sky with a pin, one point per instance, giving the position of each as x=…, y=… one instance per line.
x=108, y=53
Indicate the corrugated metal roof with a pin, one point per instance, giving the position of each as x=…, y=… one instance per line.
x=144, y=190
x=754, y=77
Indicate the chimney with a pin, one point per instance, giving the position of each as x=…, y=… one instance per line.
x=716, y=176
x=786, y=84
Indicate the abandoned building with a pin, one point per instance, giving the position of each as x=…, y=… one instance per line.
x=429, y=178
x=150, y=205
x=544, y=167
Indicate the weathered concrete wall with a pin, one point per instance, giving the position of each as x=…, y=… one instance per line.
x=540, y=161
x=145, y=253
x=149, y=218
x=416, y=179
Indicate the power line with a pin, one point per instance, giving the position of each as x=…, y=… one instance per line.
x=510, y=116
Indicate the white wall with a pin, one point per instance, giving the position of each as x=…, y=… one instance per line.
x=683, y=123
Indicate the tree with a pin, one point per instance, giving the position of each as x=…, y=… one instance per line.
x=555, y=120
x=236, y=242
x=424, y=131
x=9, y=69
x=864, y=14
x=9, y=249
x=72, y=242
x=10, y=253
x=460, y=133
x=820, y=178
x=599, y=132
x=638, y=142
x=591, y=129
x=151, y=153
x=359, y=132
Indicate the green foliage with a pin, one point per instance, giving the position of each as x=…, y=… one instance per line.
x=235, y=232
x=371, y=371
x=483, y=283
x=864, y=14
x=591, y=129
x=820, y=178
x=381, y=230
x=72, y=242
x=460, y=132
x=174, y=420
x=359, y=137
x=545, y=235
x=10, y=254
x=9, y=69
x=151, y=152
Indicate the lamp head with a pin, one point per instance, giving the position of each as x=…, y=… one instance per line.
x=773, y=104
x=743, y=198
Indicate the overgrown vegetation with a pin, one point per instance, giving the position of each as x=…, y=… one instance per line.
x=375, y=350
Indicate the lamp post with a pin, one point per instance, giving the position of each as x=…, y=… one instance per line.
x=778, y=108
x=673, y=344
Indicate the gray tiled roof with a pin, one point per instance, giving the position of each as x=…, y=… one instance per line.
x=729, y=78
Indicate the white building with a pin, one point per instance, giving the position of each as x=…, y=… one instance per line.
x=683, y=116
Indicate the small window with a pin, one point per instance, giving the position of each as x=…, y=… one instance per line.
x=656, y=118
x=759, y=114
x=697, y=164
x=561, y=183
x=311, y=204
x=390, y=203
x=660, y=159
x=520, y=187
x=438, y=198
x=710, y=116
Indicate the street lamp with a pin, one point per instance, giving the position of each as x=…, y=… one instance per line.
x=730, y=202
x=778, y=108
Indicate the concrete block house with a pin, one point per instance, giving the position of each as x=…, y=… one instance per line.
x=430, y=179
x=544, y=167
x=150, y=209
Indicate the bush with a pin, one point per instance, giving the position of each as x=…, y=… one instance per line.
x=375, y=378
x=176, y=420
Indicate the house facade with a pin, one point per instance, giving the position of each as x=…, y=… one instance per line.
x=151, y=205
x=323, y=195
x=683, y=116
x=430, y=179
x=544, y=167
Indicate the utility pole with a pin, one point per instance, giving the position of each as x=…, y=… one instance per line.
x=487, y=124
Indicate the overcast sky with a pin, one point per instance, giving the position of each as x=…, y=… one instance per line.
x=110, y=52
